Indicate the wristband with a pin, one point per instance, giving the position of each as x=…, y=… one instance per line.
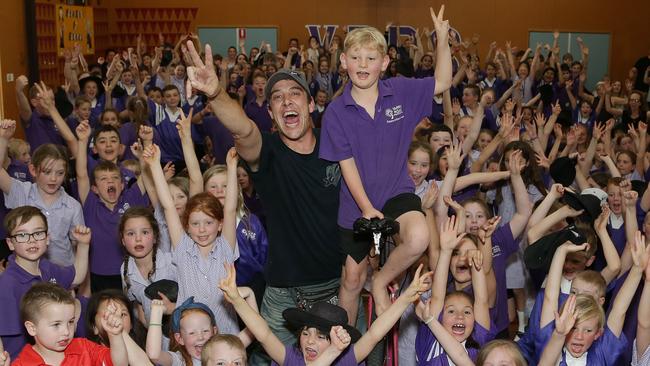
x=430, y=319
x=155, y=324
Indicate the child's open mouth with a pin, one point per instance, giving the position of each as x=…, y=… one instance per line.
x=310, y=354
x=362, y=75
x=458, y=329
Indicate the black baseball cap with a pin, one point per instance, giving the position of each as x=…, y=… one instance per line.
x=285, y=74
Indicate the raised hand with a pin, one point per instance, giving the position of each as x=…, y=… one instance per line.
x=449, y=236
x=229, y=285
x=454, y=157
x=45, y=95
x=112, y=321
x=569, y=247
x=485, y=232
x=599, y=130
x=564, y=322
x=151, y=155
x=441, y=26
x=340, y=337
x=543, y=161
x=557, y=131
x=630, y=197
x=184, y=124
x=168, y=305
x=81, y=234
x=232, y=158
x=419, y=285
x=540, y=121
x=21, y=83
x=7, y=128
x=601, y=221
x=202, y=76
x=146, y=134
x=515, y=163
x=557, y=108
x=507, y=124
x=475, y=259
x=83, y=130
x=429, y=198
x=169, y=170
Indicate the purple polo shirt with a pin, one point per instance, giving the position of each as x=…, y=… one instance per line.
x=503, y=246
x=41, y=130
x=106, y=254
x=221, y=138
x=19, y=171
x=259, y=114
x=379, y=146
x=15, y=282
x=171, y=148
x=294, y=357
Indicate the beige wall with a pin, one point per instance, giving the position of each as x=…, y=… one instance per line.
x=13, y=51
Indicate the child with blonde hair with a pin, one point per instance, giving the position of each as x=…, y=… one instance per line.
x=376, y=183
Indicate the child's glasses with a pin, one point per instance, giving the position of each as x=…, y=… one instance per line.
x=25, y=237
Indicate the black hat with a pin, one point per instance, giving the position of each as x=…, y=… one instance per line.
x=563, y=171
x=539, y=254
x=322, y=316
x=285, y=74
x=98, y=81
x=168, y=288
x=584, y=201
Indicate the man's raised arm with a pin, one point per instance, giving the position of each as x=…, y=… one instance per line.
x=202, y=77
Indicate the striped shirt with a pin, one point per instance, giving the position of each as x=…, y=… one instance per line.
x=199, y=276
x=644, y=360
x=62, y=216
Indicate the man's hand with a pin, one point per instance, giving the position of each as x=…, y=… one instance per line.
x=202, y=76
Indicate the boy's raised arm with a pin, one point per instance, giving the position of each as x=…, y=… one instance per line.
x=7, y=130
x=81, y=234
x=81, y=161
x=443, y=53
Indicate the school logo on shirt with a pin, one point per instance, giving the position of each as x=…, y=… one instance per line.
x=394, y=114
x=123, y=209
x=332, y=175
x=53, y=280
x=249, y=234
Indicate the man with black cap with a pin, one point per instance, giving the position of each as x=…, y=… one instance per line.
x=299, y=191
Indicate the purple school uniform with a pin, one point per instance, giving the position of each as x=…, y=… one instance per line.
x=40, y=130
x=105, y=250
x=429, y=352
x=15, y=282
x=503, y=246
x=19, y=171
x=527, y=343
x=603, y=352
x=259, y=114
x=97, y=110
x=293, y=357
x=378, y=145
x=253, y=246
x=170, y=142
x=618, y=238
x=631, y=317
x=221, y=138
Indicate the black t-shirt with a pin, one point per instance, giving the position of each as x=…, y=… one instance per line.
x=300, y=194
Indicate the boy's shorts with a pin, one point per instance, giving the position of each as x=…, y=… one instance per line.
x=358, y=248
